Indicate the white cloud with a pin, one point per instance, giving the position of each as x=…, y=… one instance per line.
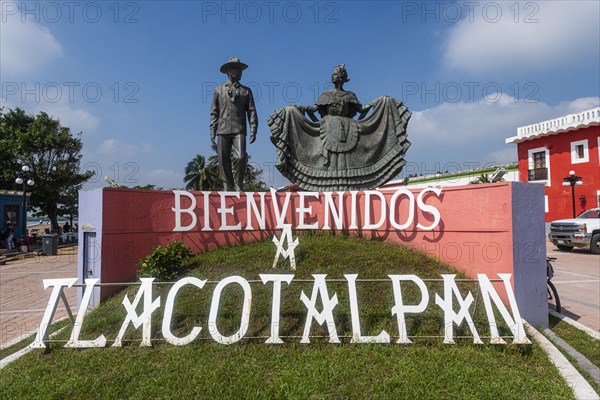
x=566, y=33
x=582, y=103
x=77, y=119
x=26, y=46
x=118, y=148
x=504, y=156
x=476, y=132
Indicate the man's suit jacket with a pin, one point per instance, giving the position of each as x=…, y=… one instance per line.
x=230, y=105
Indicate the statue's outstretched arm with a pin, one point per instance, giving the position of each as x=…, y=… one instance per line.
x=309, y=110
x=363, y=110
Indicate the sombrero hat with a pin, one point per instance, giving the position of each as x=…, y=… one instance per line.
x=233, y=62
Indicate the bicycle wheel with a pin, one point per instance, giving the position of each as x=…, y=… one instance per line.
x=553, y=298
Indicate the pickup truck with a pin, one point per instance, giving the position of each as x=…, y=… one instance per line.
x=582, y=232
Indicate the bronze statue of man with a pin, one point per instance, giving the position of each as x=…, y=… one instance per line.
x=232, y=103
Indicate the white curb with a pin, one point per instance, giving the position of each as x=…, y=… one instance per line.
x=581, y=388
x=579, y=358
x=15, y=356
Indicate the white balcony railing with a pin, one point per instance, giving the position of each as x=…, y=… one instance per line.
x=563, y=123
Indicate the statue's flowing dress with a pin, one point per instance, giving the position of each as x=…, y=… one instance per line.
x=338, y=152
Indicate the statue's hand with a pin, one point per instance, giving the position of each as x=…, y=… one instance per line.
x=252, y=137
x=213, y=139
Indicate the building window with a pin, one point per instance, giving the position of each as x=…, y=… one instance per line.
x=539, y=160
x=579, y=152
x=539, y=165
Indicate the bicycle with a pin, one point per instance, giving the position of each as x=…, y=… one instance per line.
x=552, y=292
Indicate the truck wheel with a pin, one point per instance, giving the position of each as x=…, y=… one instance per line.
x=562, y=247
x=595, y=246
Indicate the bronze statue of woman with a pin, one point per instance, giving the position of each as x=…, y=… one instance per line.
x=339, y=152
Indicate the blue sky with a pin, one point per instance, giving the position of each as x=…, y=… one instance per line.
x=137, y=77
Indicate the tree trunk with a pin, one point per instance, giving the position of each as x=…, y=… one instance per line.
x=53, y=215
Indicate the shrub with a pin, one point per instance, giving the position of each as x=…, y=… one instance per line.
x=164, y=263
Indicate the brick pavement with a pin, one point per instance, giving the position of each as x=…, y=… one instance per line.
x=23, y=299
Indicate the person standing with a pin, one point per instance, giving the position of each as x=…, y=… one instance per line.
x=232, y=103
x=10, y=240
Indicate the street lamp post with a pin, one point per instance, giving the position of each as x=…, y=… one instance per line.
x=24, y=178
x=572, y=180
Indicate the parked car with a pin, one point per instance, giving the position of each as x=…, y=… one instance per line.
x=581, y=232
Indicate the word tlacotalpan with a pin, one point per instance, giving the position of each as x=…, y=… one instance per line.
x=319, y=297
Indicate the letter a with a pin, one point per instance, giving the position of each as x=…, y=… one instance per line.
x=320, y=289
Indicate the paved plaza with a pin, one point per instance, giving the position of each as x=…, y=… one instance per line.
x=23, y=299
x=577, y=280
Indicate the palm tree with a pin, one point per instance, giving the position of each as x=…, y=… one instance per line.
x=483, y=178
x=199, y=175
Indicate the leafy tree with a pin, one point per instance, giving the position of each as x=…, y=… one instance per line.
x=148, y=186
x=200, y=175
x=252, y=181
x=12, y=126
x=483, y=178
x=53, y=155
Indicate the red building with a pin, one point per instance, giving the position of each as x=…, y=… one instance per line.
x=549, y=150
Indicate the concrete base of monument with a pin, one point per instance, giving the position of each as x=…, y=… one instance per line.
x=477, y=229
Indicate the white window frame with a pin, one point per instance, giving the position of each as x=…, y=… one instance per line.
x=586, y=152
x=530, y=163
x=598, y=197
x=546, y=203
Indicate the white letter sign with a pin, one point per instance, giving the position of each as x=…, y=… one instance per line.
x=166, y=323
x=400, y=309
x=58, y=286
x=74, y=341
x=214, y=311
x=275, y=314
x=143, y=319
x=357, y=337
x=320, y=289
x=178, y=211
x=516, y=324
x=450, y=317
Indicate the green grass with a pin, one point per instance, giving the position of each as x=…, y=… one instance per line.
x=251, y=369
x=581, y=341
